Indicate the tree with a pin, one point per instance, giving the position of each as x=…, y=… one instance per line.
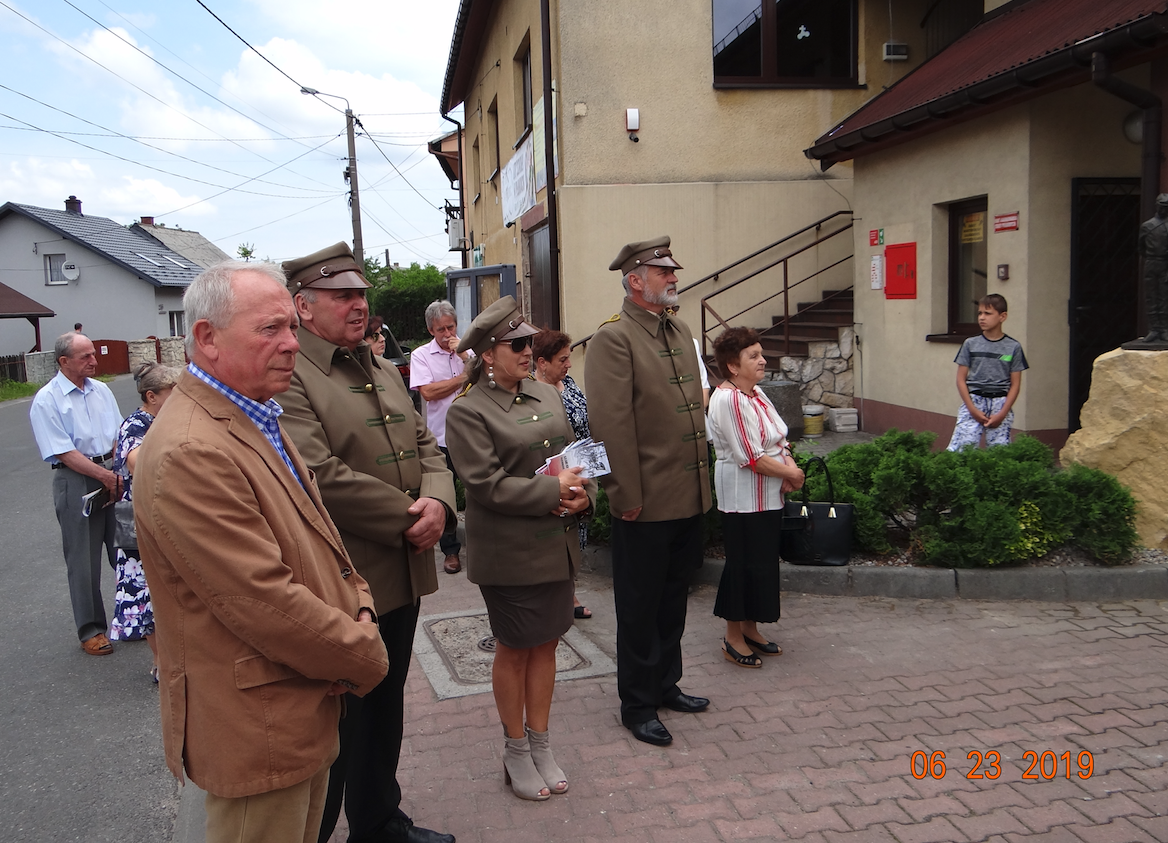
x=246, y=251
x=401, y=296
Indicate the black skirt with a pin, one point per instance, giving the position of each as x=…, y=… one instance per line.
x=749, y=588
x=525, y=616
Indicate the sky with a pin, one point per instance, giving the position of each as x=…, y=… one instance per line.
x=157, y=109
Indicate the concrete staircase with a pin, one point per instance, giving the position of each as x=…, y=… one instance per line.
x=819, y=321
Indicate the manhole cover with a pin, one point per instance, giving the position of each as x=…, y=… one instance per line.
x=450, y=648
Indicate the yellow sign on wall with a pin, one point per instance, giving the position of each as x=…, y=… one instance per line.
x=973, y=227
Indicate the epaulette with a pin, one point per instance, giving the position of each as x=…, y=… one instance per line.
x=614, y=318
x=465, y=390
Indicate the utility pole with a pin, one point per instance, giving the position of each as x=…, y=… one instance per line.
x=354, y=196
x=350, y=175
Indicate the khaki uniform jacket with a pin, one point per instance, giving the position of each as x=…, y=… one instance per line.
x=497, y=440
x=645, y=403
x=352, y=418
x=255, y=600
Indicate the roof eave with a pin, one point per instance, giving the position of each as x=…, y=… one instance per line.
x=470, y=27
x=1068, y=66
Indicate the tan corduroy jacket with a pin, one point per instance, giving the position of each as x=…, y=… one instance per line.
x=497, y=440
x=255, y=600
x=645, y=403
x=352, y=419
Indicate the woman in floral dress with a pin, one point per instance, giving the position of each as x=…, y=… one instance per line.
x=552, y=359
x=133, y=615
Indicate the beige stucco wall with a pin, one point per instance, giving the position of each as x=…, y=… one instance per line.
x=656, y=56
x=1023, y=159
x=712, y=149
x=711, y=225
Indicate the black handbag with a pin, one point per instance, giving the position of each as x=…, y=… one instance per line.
x=817, y=533
x=125, y=533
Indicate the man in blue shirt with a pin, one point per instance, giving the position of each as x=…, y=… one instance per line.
x=75, y=421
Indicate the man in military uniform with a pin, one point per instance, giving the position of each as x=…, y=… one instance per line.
x=645, y=404
x=1153, y=248
x=387, y=487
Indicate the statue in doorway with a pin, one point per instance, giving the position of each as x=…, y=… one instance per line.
x=1153, y=248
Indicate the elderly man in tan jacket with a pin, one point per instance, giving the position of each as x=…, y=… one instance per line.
x=262, y=622
x=645, y=404
x=386, y=483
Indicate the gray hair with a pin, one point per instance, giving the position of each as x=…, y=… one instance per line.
x=64, y=345
x=438, y=309
x=154, y=377
x=211, y=297
x=641, y=272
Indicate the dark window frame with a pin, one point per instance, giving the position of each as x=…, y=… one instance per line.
x=770, y=78
x=957, y=210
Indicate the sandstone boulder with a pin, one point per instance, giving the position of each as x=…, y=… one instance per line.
x=1124, y=433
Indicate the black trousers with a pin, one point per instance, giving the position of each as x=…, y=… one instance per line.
x=448, y=542
x=652, y=565
x=365, y=773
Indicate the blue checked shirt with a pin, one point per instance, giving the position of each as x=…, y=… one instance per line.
x=266, y=416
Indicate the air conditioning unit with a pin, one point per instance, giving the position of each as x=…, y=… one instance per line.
x=457, y=241
x=895, y=51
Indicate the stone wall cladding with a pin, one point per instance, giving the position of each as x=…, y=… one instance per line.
x=173, y=352
x=825, y=375
x=40, y=367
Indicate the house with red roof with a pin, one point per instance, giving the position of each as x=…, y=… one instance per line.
x=1018, y=160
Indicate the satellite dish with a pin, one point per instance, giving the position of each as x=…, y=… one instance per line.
x=70, y=271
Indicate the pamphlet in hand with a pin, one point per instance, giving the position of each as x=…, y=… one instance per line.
x=95, y=500
x=583, y=453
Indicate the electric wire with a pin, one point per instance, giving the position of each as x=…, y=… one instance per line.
x=386, y=157
x=152, y=146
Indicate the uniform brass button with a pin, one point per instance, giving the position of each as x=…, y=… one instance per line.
x=401, y=455
x=387, y=418
x=518, y=400
x=535, y=418
x=345, y=572
x=368, y=387
x=546, y=443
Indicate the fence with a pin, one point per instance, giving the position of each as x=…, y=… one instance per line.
x=12, y=368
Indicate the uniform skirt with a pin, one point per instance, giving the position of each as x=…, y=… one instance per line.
x=749, y=588
x=525, y=616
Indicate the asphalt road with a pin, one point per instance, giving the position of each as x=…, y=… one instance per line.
x=81, y=754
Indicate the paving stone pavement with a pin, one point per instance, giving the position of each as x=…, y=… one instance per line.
x=819, y=744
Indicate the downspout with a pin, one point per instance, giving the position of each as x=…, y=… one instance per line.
x=461, y=201
x=1153, y=111
x=549, y=157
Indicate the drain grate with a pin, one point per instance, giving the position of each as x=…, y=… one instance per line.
x=451, y=649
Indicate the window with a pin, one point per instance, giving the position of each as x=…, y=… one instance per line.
x=493, y=138
x=54, y=264
x=178, y=323
x=523, y=96
x=968, y=263
x=796, y=43
x=476, y=172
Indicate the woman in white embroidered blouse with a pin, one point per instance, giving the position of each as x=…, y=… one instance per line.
x=753, y=471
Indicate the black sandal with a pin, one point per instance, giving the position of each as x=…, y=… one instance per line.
x=765, y=648
x=733, y=655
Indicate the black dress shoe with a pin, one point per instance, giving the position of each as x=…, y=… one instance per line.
x=404, y=831
x=651, y=731
x=687, y=704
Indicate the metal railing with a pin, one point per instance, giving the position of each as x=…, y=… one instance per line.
x=787, y=285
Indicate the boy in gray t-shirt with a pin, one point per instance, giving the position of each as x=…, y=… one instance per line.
x=989, y=378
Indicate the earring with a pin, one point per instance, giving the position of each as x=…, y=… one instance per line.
x=491, y=377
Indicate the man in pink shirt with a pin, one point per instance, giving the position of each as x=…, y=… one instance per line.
x=436, y=371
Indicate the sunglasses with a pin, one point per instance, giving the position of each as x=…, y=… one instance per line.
x=519, y=343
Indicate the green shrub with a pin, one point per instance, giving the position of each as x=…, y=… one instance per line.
x=1102, y=515
x=976, y=507
x=400, y=297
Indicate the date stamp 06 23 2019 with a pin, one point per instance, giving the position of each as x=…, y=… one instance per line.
x=988, y=765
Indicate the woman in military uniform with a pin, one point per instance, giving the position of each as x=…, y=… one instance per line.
x=522, y=531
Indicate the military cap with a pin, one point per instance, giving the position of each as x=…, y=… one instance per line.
x=327, y=269
x=500, y=322
x=653, y=252
x=1162, y=199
